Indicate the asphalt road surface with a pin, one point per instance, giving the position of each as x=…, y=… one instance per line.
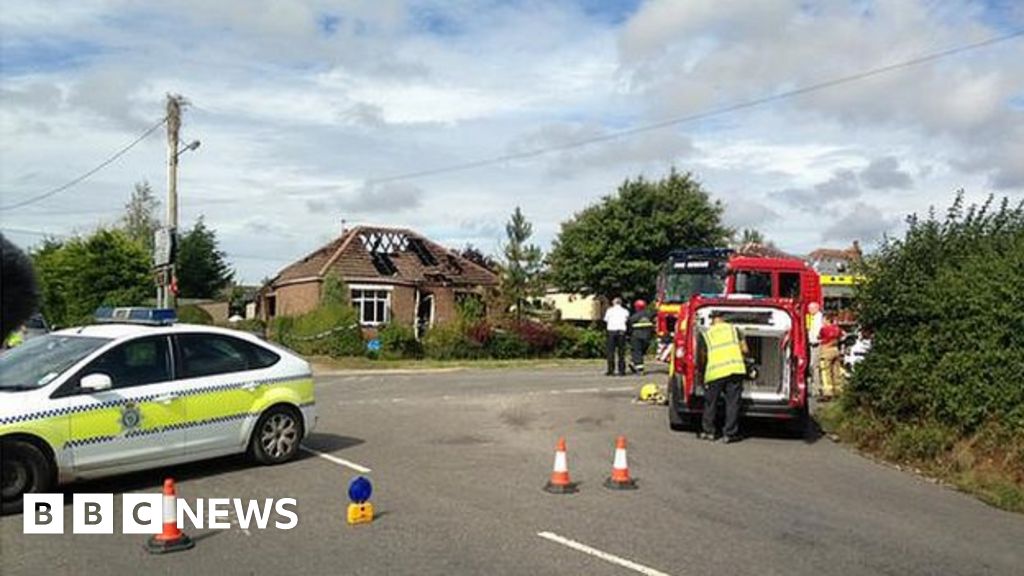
x=458, y=460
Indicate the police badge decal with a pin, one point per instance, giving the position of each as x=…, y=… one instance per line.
x=130, y=417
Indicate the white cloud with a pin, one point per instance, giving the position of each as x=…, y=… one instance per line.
x=298, y=104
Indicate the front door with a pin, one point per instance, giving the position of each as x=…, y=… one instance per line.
x=139, y=419
x=424, y=314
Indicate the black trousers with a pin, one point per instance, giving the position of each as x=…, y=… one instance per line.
x=733, y=392
x=616, y=346
x=639, y=345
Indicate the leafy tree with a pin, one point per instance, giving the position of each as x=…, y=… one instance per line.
x=334, y=291
x=140, y=220
x=520, y=274
x=81, y=274
x=201, y=269
x=476, y=256
x=616, y=247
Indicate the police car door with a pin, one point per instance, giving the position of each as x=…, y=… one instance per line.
x=221, y=376
x=139, y=419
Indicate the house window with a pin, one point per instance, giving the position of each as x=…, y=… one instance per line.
x=373, y=306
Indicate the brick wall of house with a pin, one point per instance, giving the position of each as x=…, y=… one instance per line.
x=295, y=299
x=444, y=305
x=403, y=305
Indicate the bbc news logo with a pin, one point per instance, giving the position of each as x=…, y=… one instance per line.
x=144, y=513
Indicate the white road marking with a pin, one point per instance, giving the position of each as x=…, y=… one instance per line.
x=338, y=461
x=619, y=389
x=600, y=554
x=583, y=391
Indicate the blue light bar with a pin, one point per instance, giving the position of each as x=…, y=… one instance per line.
x=149, y=316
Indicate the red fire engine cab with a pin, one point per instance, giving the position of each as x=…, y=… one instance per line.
x=767, y=298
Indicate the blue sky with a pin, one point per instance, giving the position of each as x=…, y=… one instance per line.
x=299, y=105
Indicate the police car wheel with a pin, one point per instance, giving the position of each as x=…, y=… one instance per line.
x=25, y=470
x=277, y=435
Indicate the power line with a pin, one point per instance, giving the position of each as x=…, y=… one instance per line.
x=931, y=57
x=99, y=167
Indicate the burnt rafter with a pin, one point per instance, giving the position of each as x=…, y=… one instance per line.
x=384, y=241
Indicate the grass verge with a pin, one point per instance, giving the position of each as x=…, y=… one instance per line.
x=988, y=464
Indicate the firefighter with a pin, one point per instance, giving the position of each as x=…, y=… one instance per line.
x=616, y=319
x=641, y=329
x=724, y=368
x=831, y=375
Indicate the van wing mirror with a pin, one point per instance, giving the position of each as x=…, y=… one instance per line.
x=97, y=382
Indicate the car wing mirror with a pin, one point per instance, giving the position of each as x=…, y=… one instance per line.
x=97, y=382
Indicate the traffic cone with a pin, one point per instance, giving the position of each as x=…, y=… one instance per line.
x=559, y=482
x=172, y=539
x=620, y=480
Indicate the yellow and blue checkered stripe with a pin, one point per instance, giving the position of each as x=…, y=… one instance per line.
x=210, y=405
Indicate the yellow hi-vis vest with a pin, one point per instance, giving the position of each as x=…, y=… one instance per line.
x=725, y=357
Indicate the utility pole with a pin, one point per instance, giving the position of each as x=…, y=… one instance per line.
x=174, y=105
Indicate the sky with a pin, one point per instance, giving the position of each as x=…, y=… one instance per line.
x=306, y=110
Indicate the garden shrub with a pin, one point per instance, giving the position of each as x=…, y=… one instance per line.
x=399, y=341
x=331, y=330
x=574, y=342
x=449, y=342
x=506, y=345
x=540, y=339
x=946, y=305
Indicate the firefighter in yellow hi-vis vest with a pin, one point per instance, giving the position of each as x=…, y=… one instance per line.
x=724, y=368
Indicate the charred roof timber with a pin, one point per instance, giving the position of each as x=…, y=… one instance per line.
x=425, y=256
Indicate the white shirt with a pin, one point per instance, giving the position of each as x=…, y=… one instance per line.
x=616, y=318
x=814, y=332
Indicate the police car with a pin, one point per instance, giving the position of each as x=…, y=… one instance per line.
x=138, y=391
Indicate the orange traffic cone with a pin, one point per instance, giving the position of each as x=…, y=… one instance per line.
x=620, y=480
x=172, y=539
x=560, y=483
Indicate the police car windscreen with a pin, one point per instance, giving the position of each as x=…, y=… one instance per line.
x=39, y=360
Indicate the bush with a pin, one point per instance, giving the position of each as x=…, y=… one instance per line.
x=399, y=341
x=946, y=303
x=331, y=330
x=192, y=314
x=505, y=345
x=449, y=342
x=539, y=339
x=576, y=342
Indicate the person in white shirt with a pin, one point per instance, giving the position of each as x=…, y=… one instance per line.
x=815, y=319
x=615, y=320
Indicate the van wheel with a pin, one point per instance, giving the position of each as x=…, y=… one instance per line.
x=25, y=470
x=676, y=419
x=277, y=435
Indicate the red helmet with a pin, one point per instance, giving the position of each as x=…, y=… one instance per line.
x=639, y=304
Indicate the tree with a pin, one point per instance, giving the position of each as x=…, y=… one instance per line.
x=520, y=274
x=140, y=220
x=616, y=247
x=476, y=256
x=201, y=269
x=81, y=274
x=751, y=236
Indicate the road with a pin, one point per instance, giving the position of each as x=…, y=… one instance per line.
x=458, y=460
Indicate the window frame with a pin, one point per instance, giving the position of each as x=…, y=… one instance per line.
x=359, y=302
x=72, y=386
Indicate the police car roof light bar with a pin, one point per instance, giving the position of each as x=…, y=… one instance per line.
x=136, y=315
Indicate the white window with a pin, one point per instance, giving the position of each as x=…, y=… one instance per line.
x=373, y=306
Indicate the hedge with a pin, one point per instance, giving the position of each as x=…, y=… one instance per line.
x=945, y=304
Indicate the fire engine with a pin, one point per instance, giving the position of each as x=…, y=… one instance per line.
x=767, y=298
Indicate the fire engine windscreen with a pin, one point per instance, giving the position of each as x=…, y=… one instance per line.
x=681, y=283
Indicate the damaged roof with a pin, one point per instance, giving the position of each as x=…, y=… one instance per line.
x=388, y=255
